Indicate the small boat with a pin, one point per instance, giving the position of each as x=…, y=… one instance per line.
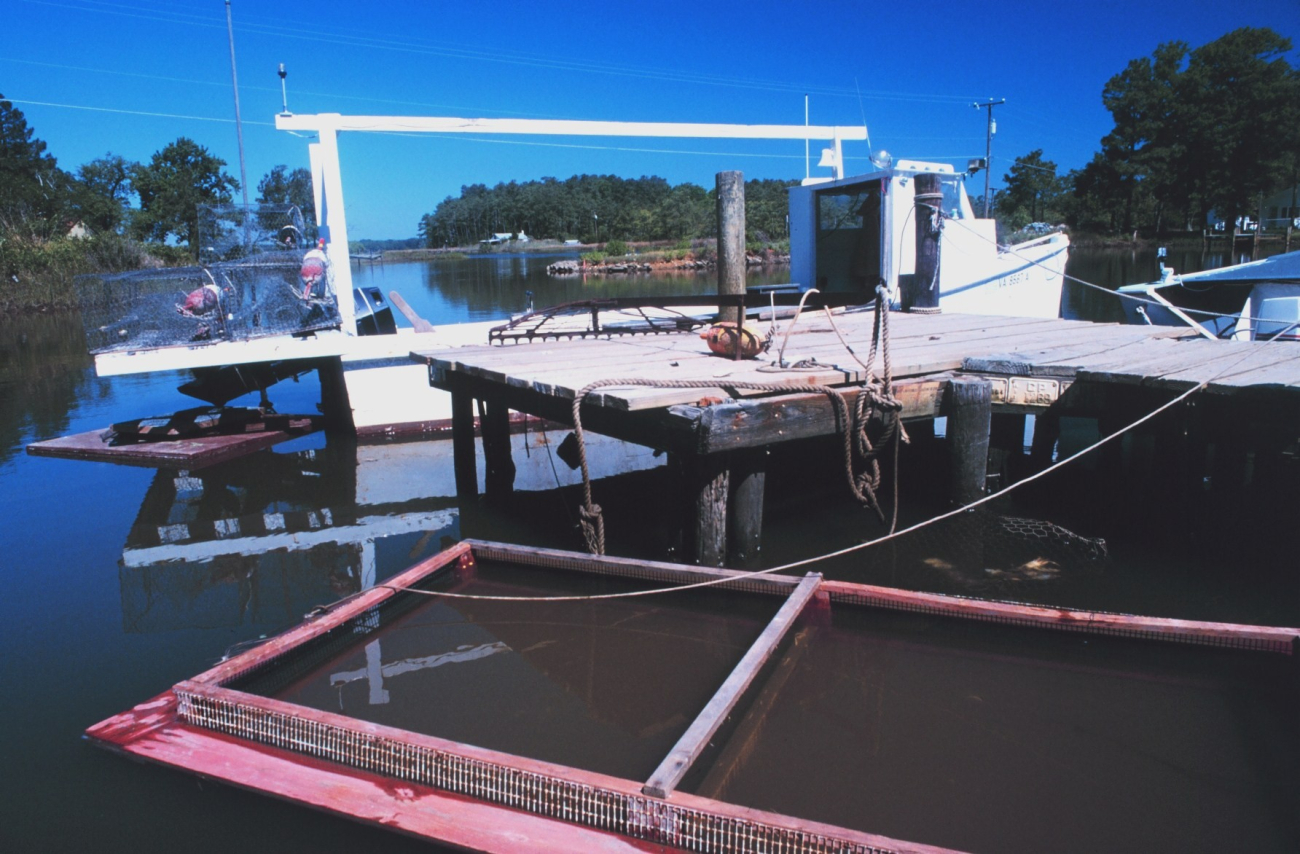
x=1256, y=301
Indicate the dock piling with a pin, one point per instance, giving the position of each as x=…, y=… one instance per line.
x=970, y=416
x=748, y=480
x=494, y=425
x=921, y=291
x=731, y=240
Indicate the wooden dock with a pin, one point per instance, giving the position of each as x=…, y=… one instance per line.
x=1017, y=366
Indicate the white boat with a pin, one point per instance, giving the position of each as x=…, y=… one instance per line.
x=388, y=394
x=1258, y=300
x=843, y=228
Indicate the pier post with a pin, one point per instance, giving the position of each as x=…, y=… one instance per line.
x=494, y=426
x=1047, y=429
x=1007, y=447
x=334, y=402
x=969, y=406
x=707, y=484
x=748, y=480
x=464, y=464
x=921, y=292
x=731, y=239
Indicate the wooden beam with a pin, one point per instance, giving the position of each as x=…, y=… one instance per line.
x=464, y=458
x=494, y=425
x=692, y=743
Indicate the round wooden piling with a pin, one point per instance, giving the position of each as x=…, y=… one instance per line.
x=731, y=239
x=969, y=406
x=921, y=291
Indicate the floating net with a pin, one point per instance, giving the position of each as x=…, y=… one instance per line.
x=256, y=279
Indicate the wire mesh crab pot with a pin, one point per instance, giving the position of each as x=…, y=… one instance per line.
x=800, y=748
x=257, y=297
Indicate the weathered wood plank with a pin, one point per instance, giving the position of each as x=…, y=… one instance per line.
x=706, y=724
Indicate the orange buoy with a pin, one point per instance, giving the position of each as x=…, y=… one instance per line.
x=723, y=338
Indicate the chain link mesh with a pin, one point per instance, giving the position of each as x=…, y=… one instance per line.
x=254, y=281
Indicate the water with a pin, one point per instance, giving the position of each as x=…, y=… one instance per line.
x=102, y=612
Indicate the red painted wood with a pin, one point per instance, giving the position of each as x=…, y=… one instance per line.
x=152, y=733
x=1278, y=639
x=188, y=453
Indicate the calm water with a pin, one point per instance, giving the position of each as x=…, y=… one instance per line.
x=123, y=581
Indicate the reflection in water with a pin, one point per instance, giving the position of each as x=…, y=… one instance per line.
x=43, y=376
x=984, y=738
x=607, y=686
x=264, y=539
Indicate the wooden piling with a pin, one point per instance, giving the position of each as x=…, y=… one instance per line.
x=969, y=405
x=464, y=464
x=707, y=486
x=748, y=480
x=921, y=291
x=731, y=239
x=334, y=402
x=494, y=425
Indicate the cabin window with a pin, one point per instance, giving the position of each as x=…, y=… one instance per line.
x=848, y=250
x=951, y=187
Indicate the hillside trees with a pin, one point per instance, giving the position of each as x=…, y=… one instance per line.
x=596, y=208
x=1195, y=131
x=33, y=190
x=281, y=186
x=1032, y=191
x=171, y=186
x=102, y=192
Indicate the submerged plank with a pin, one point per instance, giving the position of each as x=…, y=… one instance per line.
x=191, y=453
x=692, y=743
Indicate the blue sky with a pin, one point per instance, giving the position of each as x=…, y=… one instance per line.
x=129, y=76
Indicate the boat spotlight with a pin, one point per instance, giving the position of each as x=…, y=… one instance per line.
x=882, y=159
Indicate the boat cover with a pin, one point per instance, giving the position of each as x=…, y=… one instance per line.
x=1279, y=268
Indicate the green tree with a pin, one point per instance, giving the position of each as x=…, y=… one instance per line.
x=33, y=190
x=102, y=193
x=1195, y=130
x=1239, y=111
x=1032, y=191
x=283, y=187
x=172, y=185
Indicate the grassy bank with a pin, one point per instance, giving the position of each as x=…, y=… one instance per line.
x=36, y=275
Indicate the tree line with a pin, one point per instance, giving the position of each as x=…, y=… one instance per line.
x=1211, y=129
x=599, y=208
x=39, y=200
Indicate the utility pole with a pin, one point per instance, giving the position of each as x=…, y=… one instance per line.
x=239, y=126
x=988, y=146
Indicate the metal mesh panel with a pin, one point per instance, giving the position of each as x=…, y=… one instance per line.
x=260, y=296
x=542, y=794
x=235, y=232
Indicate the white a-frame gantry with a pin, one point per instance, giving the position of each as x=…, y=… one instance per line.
x=327, y=179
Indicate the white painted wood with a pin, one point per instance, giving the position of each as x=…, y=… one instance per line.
x=333, y=122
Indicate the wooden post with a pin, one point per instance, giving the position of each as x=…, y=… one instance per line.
x=970, y=414
x=1286, y=247
x=464, y=463
x=334, y=402
x=1230, y=258
x=708, y=482
x=731, y=239
x=921, y=292
x=748, y=480
x=494, y=425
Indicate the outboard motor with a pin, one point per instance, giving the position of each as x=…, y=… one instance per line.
x=374, y=315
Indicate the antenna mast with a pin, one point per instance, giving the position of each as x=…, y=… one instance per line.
x=239, y=125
